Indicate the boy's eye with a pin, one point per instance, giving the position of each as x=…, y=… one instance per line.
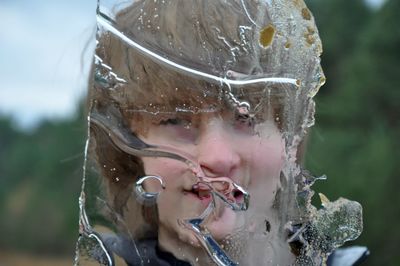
x=244, y=123
x=179, y=129
x=170, y=121
x=175, y=122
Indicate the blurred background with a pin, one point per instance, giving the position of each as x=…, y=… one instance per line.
x=45, y=52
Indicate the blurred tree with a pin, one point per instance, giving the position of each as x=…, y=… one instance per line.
x=356, y=141
x=339, y=23
x=8, y=137
x=40, y=177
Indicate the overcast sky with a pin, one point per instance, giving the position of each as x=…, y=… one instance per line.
x=42, y=46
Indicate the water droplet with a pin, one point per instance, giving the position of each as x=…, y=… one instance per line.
x=288, y=44
x=267, y=226
x=306, y=13
x=267, y=36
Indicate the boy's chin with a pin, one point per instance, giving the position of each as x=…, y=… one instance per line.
x=218, y=227
x=222, y=226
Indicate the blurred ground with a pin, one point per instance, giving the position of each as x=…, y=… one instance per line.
x=18, y=259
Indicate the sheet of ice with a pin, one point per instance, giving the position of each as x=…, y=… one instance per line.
x=164, y=72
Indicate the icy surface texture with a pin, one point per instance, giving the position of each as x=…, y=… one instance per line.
x=198, y=111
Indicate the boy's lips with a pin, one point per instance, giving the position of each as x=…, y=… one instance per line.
x=203, y=191
x=200, y=191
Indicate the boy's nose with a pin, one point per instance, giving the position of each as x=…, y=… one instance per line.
x=217, y=154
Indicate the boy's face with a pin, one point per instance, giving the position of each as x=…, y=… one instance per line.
x=223, y=145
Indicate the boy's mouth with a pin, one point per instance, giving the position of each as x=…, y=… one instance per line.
x=204, y=191
x=201, y=191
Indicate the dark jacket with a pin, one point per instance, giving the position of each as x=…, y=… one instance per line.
x=150, y=254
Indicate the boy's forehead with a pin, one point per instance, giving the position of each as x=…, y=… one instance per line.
x=181, y=99
x=196, y=94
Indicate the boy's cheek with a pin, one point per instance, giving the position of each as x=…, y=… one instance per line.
x=167, y=169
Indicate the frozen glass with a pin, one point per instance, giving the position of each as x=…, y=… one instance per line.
x=198, y=113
